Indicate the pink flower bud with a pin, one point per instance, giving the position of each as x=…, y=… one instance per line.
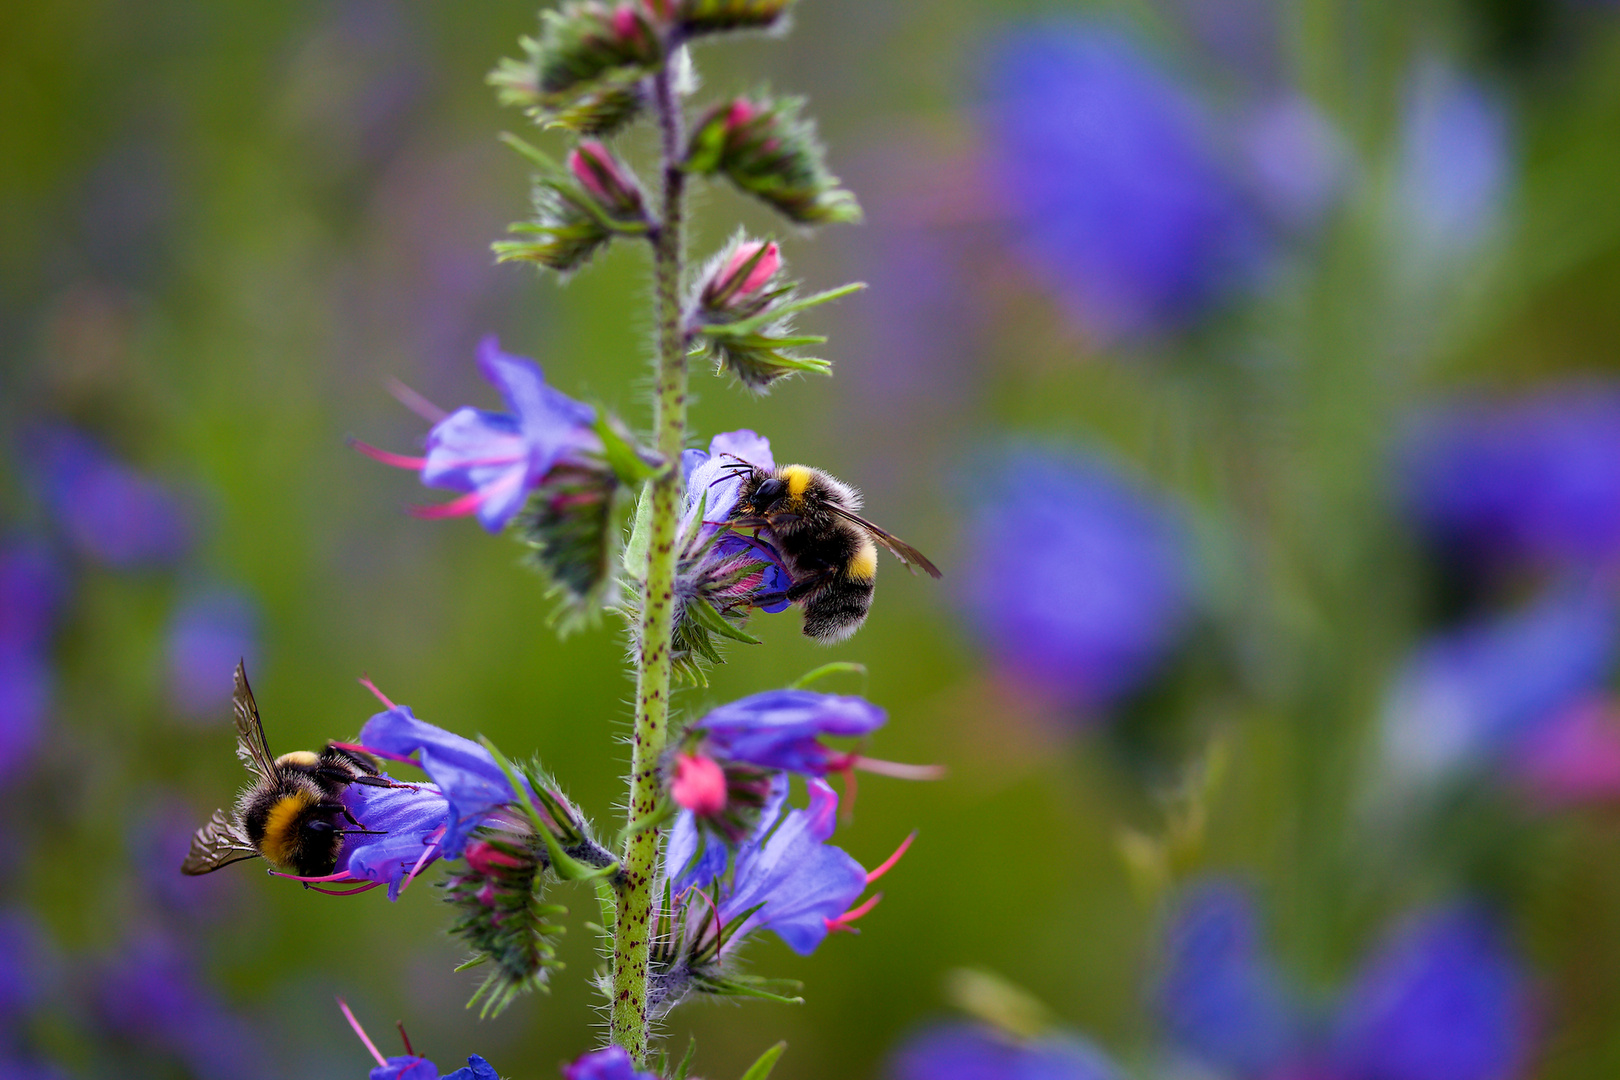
x=741, y=112
x=588, y=163
x=768, y=264
x=626, y=27
x=700, y=785
x=485, y=857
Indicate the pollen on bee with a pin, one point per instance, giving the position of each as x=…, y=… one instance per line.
x=863, y=566
x=302, y=759
x=280, y=842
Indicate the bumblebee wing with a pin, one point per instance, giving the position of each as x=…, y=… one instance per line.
x=218, y=843
x=250, y=744
x=897, y=547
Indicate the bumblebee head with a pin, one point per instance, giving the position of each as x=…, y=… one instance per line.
x=767, y=494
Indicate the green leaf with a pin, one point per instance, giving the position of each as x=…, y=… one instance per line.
x=635, y=549
x=563, y=864
x=627, y=461
x=536, y=156
x=761, y=1068
x=764, y=318
x=703, y=613
x=837, y=667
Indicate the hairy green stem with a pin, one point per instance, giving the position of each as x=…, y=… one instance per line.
x=634, y=921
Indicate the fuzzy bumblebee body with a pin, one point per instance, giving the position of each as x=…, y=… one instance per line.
x=293, y=814
x=829, y=550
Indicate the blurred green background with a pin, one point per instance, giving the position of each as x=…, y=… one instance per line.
x=228, y=226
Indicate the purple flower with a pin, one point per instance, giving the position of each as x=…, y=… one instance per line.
x=1470, y=694
x=1077, y=579
x=1220, y=999
x=1455, y=162
x=960, y=1051
x=1572, y=758
x=413, y=817
x=465, y=773
x=25, y=698
x=712, y=486
x=610, y=1063
x=25, y=965
x=1298, y=160
x=209, y=633
x=782, y=729
x=1121, y=199
x=420, y=1068
x=801, y=885
x=1441, y=998
x=33, y=587
x=1537, y=479
x=108, y=511
x=497, y=458
x=152, y=994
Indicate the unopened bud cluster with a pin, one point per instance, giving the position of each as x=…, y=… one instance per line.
x=768, y=149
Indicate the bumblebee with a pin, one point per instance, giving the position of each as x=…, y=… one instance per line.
x=292, y=814
x=829, y=550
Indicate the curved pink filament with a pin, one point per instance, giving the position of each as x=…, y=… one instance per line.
x=415, y=402
x=467, y=504
x=365, y=681
x=399, y=461
x=897, y=769
x=843, y=921
x=428, y=852
x=360, y=1031
x=348, y=892
x=888, y=864
x=344, y=876
x=384, y=754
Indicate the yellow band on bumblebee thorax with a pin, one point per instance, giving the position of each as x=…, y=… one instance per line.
x=798, y=481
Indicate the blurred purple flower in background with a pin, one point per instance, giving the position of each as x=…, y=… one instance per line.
x=110, y=513
x=963, y=1051
x=1221, y=999
x=1467, y=696
x=153, y=995
x=25, y=967
x=32, y=590
x=1111, y=166
x=1299, y=163
x=158, y=842
x=1441, y=998
x=1535, y=479
x=208, y=633
x=1077, y=580
x=1574, y=757
x=1455, y=163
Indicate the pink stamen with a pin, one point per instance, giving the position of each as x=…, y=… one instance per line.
x=405, y=759
x=344, y=876
x=365, y=681
x=899, y=770
x=399, y=461
x=360, y=1031
x=415, y=402
x=461, y=507
x=888, y=864
x=429, y=851
x=843, y=921
x=349, y=892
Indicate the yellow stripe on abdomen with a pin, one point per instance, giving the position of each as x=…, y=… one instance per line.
x=863, y=566
x=280, y=841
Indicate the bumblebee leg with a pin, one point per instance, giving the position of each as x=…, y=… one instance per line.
x=808, y=584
